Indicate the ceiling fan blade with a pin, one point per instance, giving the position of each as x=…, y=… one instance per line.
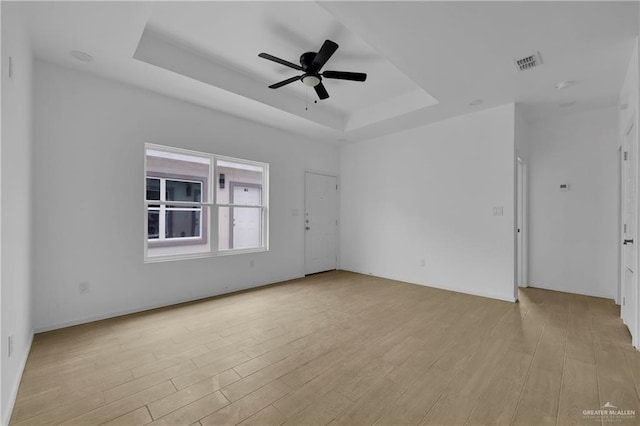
x=280, y=61
x=344, y=75
x=321, y=91
x=328, y=48
x=285, y=82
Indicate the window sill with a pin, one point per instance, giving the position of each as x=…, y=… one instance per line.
x=159, y=259
x=176, y=242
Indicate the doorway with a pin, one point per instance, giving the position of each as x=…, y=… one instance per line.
x=245, y=222
x=628, y=276
x=320, y=217
x=522, y=263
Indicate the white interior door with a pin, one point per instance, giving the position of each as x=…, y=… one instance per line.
x=320, y=223
x=521, y=224
x=629, y=277
x=246, y=221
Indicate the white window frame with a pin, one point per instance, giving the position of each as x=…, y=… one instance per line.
x=211, y=204
x=164, y=208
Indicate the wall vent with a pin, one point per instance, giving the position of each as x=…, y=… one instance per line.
x=528, y=62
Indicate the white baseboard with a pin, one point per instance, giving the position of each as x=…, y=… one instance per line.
x=16, y=384
x=114, y=314
x=572, y=291
x=443, y=287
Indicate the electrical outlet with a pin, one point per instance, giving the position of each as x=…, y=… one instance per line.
x=84, y=287
x=251, y=263
x=423, y=263
x=10, y=348
x=498, y=211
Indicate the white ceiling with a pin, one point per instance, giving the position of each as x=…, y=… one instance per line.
x=425, y=60
x=243, y=29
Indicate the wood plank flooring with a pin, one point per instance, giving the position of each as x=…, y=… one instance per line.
x=343, y=349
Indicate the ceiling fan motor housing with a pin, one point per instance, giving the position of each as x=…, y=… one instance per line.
x=306, y=59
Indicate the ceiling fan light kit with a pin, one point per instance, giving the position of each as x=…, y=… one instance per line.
x=310, y=80
x=311, y=63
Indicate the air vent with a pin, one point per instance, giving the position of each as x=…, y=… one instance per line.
x=528, y=62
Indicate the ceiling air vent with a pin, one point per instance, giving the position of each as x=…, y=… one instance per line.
x=528, y=62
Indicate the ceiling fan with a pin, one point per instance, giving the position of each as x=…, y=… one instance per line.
x=311, y=63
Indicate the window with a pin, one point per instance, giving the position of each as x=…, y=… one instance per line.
x=168, y=223
x=181, y=204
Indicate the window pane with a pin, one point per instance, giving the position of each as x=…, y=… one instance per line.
x=245, y=194
x=231, y=174
x=178, y=169
x=224, y=228
x=182, y=223
x=183, y=191
x=240, y=228
x=153, y=189
x=153, y=224
x=176, y=246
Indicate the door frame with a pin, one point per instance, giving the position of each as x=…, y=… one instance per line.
x=302, y=216
x=522, y=253
x=620, y=224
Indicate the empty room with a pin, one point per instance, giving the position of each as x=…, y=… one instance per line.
x=310, y=212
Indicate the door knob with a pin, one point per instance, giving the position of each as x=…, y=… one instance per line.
x=628, y=242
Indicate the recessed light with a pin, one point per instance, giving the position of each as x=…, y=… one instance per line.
x=81, y=56
x=567, y=104
x=476, y=102
x=565, y=84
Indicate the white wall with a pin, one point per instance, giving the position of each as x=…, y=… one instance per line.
x=428, y=193
x=573, y=235
x=15, y=178
x=521, y=134
x=629, y=94
x=89, y=152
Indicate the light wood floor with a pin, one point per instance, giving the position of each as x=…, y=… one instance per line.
x=338, y=348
